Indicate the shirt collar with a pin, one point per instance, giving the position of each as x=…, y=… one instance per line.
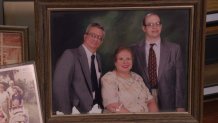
x=88, y=53
x=157, y=43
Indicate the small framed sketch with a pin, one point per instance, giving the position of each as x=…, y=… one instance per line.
x=13, y=44
x=19, y=94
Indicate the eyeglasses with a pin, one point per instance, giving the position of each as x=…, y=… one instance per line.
x=158, y=24
x=95, y=36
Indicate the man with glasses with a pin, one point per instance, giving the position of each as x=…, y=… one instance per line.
x=76, y=86
x=160, y=64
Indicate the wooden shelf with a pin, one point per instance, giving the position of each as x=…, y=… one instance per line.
x=212, y=30
x=210, y=112
x=212, y=6
x=210, y=74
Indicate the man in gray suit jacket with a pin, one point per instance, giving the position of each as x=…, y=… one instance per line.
x=72, y=81
x=168, y=83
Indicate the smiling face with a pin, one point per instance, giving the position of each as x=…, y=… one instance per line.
x=93, y=38
x=152, y=27
x=123, y=61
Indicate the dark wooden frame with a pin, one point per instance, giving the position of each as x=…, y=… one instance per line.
x=195, y=64
x=23, y=31
x=1, y=13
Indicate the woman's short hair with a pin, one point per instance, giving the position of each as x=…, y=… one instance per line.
x=122, y=48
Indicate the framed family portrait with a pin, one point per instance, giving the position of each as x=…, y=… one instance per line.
x=20, y=101
x=62, y=25
x=13, y=44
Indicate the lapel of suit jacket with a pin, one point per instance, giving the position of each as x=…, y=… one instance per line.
x=164, y=56
x=85, y=67
x=142, y=58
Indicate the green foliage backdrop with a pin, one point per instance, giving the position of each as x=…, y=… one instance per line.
x=123, y=27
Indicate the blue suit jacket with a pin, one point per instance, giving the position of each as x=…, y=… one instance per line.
x=72, y=82
x=171, y=79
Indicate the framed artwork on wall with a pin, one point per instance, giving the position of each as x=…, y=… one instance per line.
x=63, y=26
x=22, y=9
x=20, y=94
x=14, y=44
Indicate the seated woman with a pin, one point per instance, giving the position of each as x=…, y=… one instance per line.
x=124, y=91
